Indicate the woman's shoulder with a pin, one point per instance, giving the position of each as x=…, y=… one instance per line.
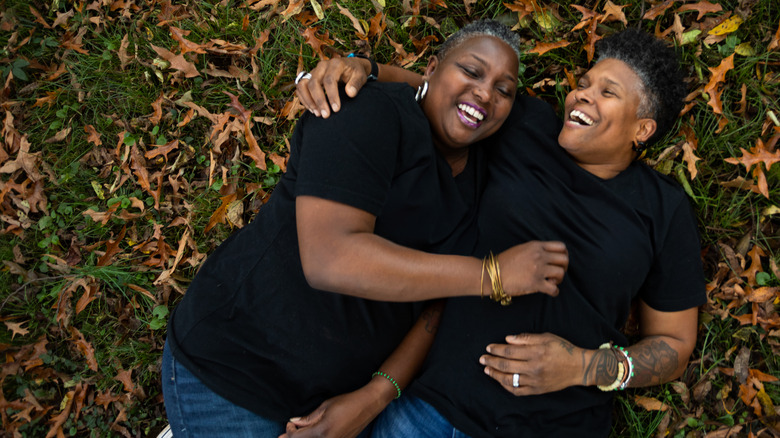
x=388, y=101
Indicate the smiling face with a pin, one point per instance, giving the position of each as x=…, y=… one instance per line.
x=470, y=92
x=600, y=119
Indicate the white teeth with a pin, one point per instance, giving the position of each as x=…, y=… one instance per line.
x=471, y=111
x=579, y=116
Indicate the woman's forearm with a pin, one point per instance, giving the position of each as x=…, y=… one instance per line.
x=404, y=363
x=389, y=73
x=655, y=360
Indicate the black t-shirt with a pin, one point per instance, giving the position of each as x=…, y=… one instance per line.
x=252, y=329
x=630, y=236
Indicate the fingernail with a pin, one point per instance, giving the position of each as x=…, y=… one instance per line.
x=487, y=371
x=351, y=91
x=335, y=107
x=482, y=360
x=295, y=419
x=316, y=113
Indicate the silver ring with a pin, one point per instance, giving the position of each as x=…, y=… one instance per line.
x=301, y=76
x=516, y=380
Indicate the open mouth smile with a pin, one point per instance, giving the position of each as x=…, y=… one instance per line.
x=470, y=115
x=580, y=118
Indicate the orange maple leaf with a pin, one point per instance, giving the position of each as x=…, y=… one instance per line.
x=260, y=41
x=587, y=17
x=162, y=150
x=690, y=158
x=378, y=24
x=316, y=42
x=524, y=7
x=702, y=8
x=218, y=217
x=593, y=37
x=92, y=135
x=658, y=10
x=51, y=96
x=614, y=12
x=184, y=44
x=542, y=48
x=713, y=86
x=126, y=378
x=758, y=154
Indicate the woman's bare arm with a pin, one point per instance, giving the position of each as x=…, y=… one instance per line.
x=320, y=93
x=347, y=415
x=340, y=253
x=549, y=363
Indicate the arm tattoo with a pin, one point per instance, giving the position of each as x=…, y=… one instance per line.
x=432, y=317
x=568, y=346
x=602, y=369
x=654, y=362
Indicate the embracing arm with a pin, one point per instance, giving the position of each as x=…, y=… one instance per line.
x=668, y=339
x=347, y=415
x=340, y=253
x=323, y=86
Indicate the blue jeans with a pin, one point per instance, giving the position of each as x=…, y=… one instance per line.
x=411, y=417
x=196, y=411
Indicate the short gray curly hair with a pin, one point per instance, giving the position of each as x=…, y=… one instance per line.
x=481, y=28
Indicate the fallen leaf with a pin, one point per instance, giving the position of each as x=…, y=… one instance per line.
x=157, y=107
x=112, y=248
x=359, y=31
x=84, y=347
x=218, y=217
x=650, y=404
x=177, y=62
x=59, y=136
x=542, y=48
x=125, y=377
x=775, y=43
x=703, y=7
x=124, y=58
x=757, y=154
x=316, y=42
x=728, y=26
x=16, y=328
x=184, y=44
x=92, y=135
x=38, y=18
x=658, y=10
x=718, y=77
x=690, y=158
x=613, y=12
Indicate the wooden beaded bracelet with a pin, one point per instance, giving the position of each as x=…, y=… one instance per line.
x=621, y=374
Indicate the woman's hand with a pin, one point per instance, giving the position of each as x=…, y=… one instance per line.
x=544, y=363
x=533, y=267
x=345, y=415
x=323, y=87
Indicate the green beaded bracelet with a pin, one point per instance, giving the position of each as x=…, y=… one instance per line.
x=397, y=387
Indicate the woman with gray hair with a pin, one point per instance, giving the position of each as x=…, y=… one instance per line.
x=315, y=297
x=549, y=365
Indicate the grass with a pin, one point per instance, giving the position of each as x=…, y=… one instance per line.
x=48, y=244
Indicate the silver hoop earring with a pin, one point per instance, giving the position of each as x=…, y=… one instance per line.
x=422, y=90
